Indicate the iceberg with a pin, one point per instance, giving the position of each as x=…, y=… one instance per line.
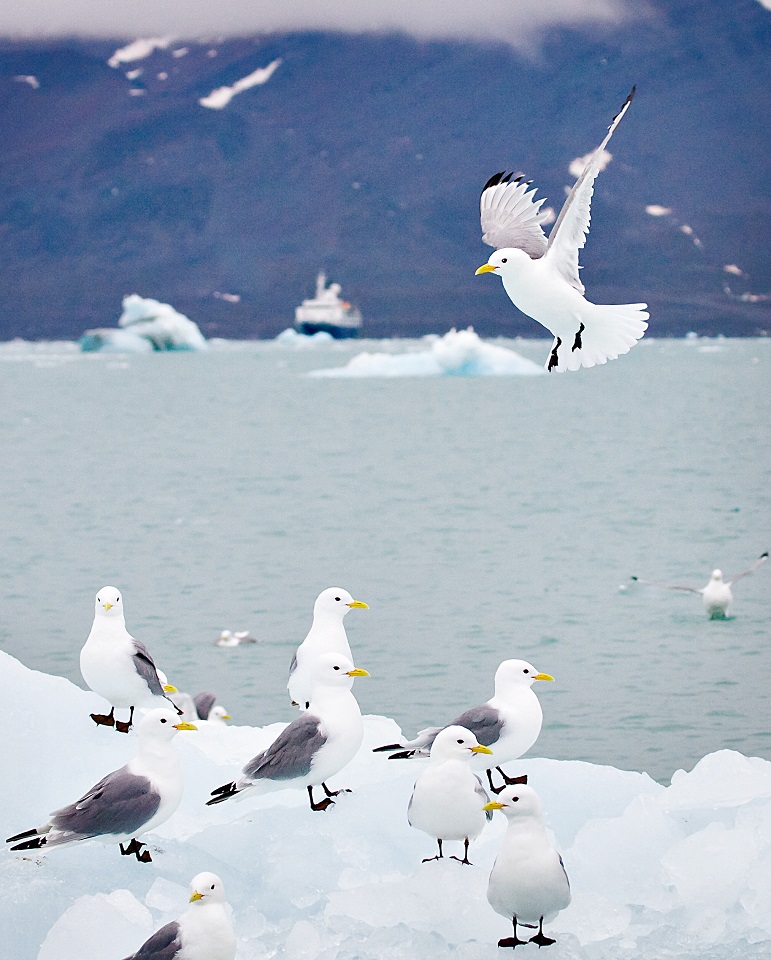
x=677, y=871
x=459, y=353
x=144, y=326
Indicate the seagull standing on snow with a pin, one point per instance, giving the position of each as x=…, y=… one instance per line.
x=118, y=667
x=326, y=635
x=717, y=595
x=509, y=723
x=315, y=746
x=541, y=277
x=125, y=803
x=203, y=932
x=528, y=883
x=448, y=801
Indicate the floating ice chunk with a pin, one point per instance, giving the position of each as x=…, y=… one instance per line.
x=656, y=210
x=146, y=325
x=296, y=339
x=459, y=353
x=578, y=165
x=100, y=927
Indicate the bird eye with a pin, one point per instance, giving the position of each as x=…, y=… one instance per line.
x=212, y=886
x=338, y=599
x=503, y=259
x=460, y=741
x=336, y=667
x=526, y=671
x=163, y=720
x=514, y=799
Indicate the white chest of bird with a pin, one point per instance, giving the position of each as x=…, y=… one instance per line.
x=342, y=726
x=206, y=933
x=446, y=803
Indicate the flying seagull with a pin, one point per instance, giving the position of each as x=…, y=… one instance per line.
x=125, y=803
x=541, y=276
x=118, y=667
x=717, y=595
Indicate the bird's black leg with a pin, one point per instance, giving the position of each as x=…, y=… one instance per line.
x=553, y=358
x=493, y=788
x=577, y=344
x=323, y=804
x=512, y=941
x=507, y=781
x=540, y=938
x=465, y=854
x=334, y=793
x=104, y=719
x=123, y=726
x=135, y=847
x=439, y=856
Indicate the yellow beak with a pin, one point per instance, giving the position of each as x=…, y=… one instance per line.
x=169, y=688
x=485, y=268
x=226, y=716
x=107, y=605
x=543, y=676
x=494, y=805
x=356, y=672
x=184, y=725
x=358, y=605
x=195, y=895
x=480, y=748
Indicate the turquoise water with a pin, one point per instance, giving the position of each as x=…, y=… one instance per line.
x=480, y=518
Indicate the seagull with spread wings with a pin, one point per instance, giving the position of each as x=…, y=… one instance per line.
x=541, y=276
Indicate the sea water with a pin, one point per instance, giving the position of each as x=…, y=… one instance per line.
x=480, y=518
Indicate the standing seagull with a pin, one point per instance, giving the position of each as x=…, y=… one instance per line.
x=509, y=722
x=448, y=801
x=717, y=595
x=326, y=635
x=541, y=277
x=315, y=746
x=528, y=883
x=203, y=932
x=125, y=803
x=118, y=667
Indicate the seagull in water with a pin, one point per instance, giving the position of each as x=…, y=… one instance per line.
x=230, y=638
x=125, y=803
x=448, y=801
x=509, y=723
x=541, y=277
x=118, y=667
x=528, y=883
x=717, y=595
x=315, y=746
x=203, y=932
x=327, y=634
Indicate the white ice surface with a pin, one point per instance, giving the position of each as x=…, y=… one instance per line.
x=657, y=872
x=459, y=353
x=146, y=325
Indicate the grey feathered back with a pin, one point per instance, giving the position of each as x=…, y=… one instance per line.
x=121, y=802
x=164, y=944
x=291, y=753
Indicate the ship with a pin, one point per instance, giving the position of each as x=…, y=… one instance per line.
x=326, y=312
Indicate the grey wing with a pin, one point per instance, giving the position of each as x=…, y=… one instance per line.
x=510, y=216
x=145, y=667
x=291, y=753
x=484, y=722
x=484, y=796
x=203, y=704
x=164, y=944
x=568, y=235
x=758, y=563
x=293, y=664
x=666, y=586
x=121, y=803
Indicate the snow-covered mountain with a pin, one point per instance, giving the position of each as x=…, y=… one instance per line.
x=221, y=176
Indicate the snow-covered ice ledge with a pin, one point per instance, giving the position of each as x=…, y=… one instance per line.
x=679, y=871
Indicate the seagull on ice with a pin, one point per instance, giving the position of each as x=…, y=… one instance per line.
x=717, y=595
x=541, y=277
x=315, y=746
x=448, y=801
x=127, y=802
x=326, y=635
x=509, y=723
x=118, y=667
x=528, y=883
x=203, y=932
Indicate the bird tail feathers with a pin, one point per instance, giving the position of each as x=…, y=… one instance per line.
x=604, y=333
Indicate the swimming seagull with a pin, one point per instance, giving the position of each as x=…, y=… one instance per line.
x=118, y=667
x=203, y=932
x=509, y=722
x=327, y=634
x=448, y=800
x=127, y=802
x=528, y=883
x=541, y=277
x=230, y=638
x=717, y=595
x=315, y=746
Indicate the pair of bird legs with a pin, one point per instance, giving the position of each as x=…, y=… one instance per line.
x=507, y=781
x=327, y=801
x=440, y=855
x=108, y=720
x=577, y=345
x=135, y=847
x=540, y=938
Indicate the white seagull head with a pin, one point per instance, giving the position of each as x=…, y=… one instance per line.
x=207, y=888
x=335, y=670
x=456, y=743
x=717, y=575
x=109, y=602
x=507, y=261
x=161, y=725
x=516, y=801
x=334, y=603
x=516, y=674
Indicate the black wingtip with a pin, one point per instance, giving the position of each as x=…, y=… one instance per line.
x=764, y=554
x=386, y=747
x=33, y=844
x=22, y=836
x=632, y=92
x=403, y=755
x=224, y=792
x=503, y=177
